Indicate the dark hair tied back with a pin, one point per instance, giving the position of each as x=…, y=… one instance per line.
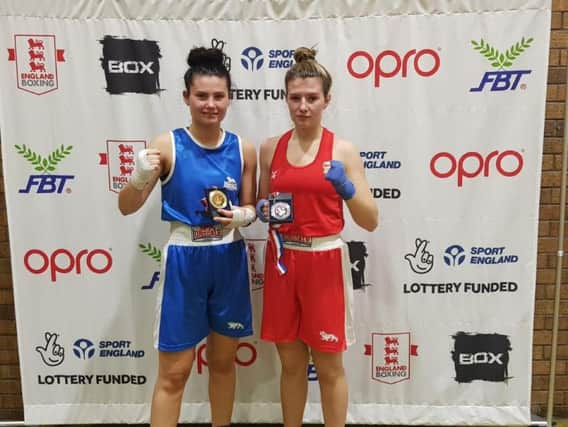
x=207, y=62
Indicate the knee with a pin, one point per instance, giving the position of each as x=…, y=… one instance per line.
x=173, y=381
x=295, y=368
x=221, y=364
x=331, y=376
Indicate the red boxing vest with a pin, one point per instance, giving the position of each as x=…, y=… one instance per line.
x=318, y=209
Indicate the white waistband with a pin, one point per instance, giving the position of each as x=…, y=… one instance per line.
x=187, y=235
x=302, y=243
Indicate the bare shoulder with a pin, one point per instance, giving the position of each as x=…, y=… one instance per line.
x=269, y=143
x=161, y=142
x=248, y=146
x=268, y=147
x=343, y=149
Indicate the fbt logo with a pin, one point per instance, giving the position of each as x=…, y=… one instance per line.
x=47, y=182
x=246, y=355
x=389, y=64
x=502, y=79
x=119, y=158
x=470, y=165
x=482, y=357
x=36, y=58
x=155, y=254
x=63, y=261
x=390, y=356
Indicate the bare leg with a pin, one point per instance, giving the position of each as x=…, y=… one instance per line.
x=294, y=357
x=333, y=387
x=221, y=351
x=173, y=372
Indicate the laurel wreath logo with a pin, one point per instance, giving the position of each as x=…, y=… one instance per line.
x=44, y=164
x=498, y=59
x=152, y=251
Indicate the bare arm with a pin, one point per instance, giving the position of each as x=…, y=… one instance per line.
x=248, y=185
x=362, y=206
x=130, y=199
x=265, y=159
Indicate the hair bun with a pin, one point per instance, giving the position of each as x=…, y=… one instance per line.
x=201, y=56
x=304, y=54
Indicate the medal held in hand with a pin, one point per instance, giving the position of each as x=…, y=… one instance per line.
x=280, y=208
x=217, y=198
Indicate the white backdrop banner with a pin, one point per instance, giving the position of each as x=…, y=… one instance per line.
x=446, y=107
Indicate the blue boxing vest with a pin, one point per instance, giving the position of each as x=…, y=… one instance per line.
x=196, y=168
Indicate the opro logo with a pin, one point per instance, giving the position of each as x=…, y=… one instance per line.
x=62, y=261
x=508, y=163
x=246, y=355
x=388, y=63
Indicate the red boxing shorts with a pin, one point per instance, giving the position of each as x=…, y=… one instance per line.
x=312, y=301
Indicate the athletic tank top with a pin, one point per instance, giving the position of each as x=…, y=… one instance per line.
x=318, y=209
x=196, y=168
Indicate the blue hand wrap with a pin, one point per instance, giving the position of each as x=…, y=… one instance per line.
x=336, y=175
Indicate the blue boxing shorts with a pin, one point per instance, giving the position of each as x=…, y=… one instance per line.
x=204, y=287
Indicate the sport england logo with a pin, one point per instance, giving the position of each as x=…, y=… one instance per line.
x=470, y=165
x=119, y=159
x=252, y=58
x=131, y=66
x=502, y=79
x=389, y=63
x=421, y=260
x=390, y=356
x=482, y=357
x=83, y=349
x=455, y=255
x=155, y=254
x=36, y=58
x=47, y=182
x=51, y=353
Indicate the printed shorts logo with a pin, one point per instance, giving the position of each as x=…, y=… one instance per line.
x=36, y=58
x=131, y=65
x=119, y=157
